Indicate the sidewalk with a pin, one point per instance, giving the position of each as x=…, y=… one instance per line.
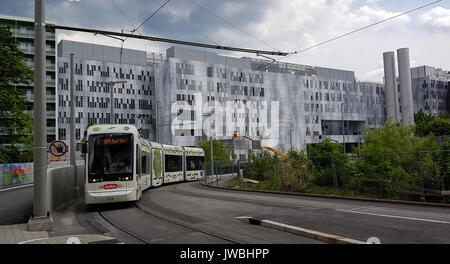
x=71, y=226
x=14, y=234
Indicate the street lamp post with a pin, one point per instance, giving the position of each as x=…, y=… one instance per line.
x=212, y=148
x=111, y=99
x=156, y=123
x=343, y=126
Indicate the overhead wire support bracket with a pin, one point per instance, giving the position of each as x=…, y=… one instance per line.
x=173, y=41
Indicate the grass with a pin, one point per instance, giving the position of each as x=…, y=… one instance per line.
x=269, y=185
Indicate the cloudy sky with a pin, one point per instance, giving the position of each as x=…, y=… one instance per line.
x=286, y=25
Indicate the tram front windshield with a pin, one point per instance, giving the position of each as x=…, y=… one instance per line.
x=110, y=157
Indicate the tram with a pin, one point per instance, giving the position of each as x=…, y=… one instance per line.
x=120, y=164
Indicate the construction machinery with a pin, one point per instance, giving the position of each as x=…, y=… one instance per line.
x=235, y=135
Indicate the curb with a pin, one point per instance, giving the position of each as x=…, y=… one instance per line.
x=19, y=186
x=324, y=237
x=336, y=197
x=75, y=239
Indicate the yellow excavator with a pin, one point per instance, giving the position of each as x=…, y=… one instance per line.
x=235, y=135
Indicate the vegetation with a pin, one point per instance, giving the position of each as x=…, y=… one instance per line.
x=427, y=124
x=392, y=163
x=15, y=125
x=220, y=154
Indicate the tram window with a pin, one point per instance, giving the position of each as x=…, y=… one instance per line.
x=110, y=157
x=199, y=163
x=194, y=163
x=173, y=163
x=144, y=164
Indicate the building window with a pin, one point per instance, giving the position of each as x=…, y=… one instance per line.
x=62, y=134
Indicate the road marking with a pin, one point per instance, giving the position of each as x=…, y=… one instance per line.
x=360, y=208
x=396, y=216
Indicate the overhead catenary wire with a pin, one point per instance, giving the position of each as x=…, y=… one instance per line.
x=231, y=24
x=126, y=17
x=349, y=33
x=173, y=41
x=150, y=17
x=187, y=23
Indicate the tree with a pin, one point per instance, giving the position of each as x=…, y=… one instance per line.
x=427, y=123
x=393, y=154
x=327, y=160
x=14, y=122
x=219, y=152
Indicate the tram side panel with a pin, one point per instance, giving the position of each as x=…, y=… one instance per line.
x=157, y=162
x=173, y=164
x=194, y=158
x=144, y=165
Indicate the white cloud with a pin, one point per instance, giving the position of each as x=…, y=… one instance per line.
x=287, y=25
x=436, y=18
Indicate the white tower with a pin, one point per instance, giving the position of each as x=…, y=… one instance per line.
x=390, y=86
x=406, y=98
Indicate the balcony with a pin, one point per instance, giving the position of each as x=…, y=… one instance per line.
x=27, y=50
x=51, y=114
x=48, y=67
x=19, y=34
x=51, y=131
x=30, y=34
x=49, y=98
x=50, y=51
x=50, y=83
x=30, y=50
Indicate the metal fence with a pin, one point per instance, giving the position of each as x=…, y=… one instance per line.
x=419, y=176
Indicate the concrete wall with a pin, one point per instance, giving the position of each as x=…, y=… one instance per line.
x=61, y=184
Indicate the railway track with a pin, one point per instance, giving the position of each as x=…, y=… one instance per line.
x=161, y=217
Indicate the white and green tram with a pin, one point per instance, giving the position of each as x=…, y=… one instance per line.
x=120, y=164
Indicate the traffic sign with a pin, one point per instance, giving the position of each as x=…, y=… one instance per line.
x=58, y=148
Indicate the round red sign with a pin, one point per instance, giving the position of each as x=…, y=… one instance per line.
x=58, y=148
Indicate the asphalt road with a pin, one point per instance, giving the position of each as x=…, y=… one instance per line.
x=192, y=213
x=216, y=210
x=16, y=205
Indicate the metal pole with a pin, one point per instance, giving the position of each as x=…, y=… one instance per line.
x=212, y=157
x=158, y=139
x=72, y=147
x=111, y=95
x=290, y=135
x=72, y=111
x=40, y=187
x=343, y=126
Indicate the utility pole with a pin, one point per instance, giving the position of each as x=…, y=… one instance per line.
x=72, y=148
x=212, y=157
x=343, y=126
x=40, y=221
x=158, y=139
x=111, y=98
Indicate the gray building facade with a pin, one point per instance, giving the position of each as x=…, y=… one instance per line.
x=133, y=101
x=196, y=95
x=309, y=102
x=431, y=90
